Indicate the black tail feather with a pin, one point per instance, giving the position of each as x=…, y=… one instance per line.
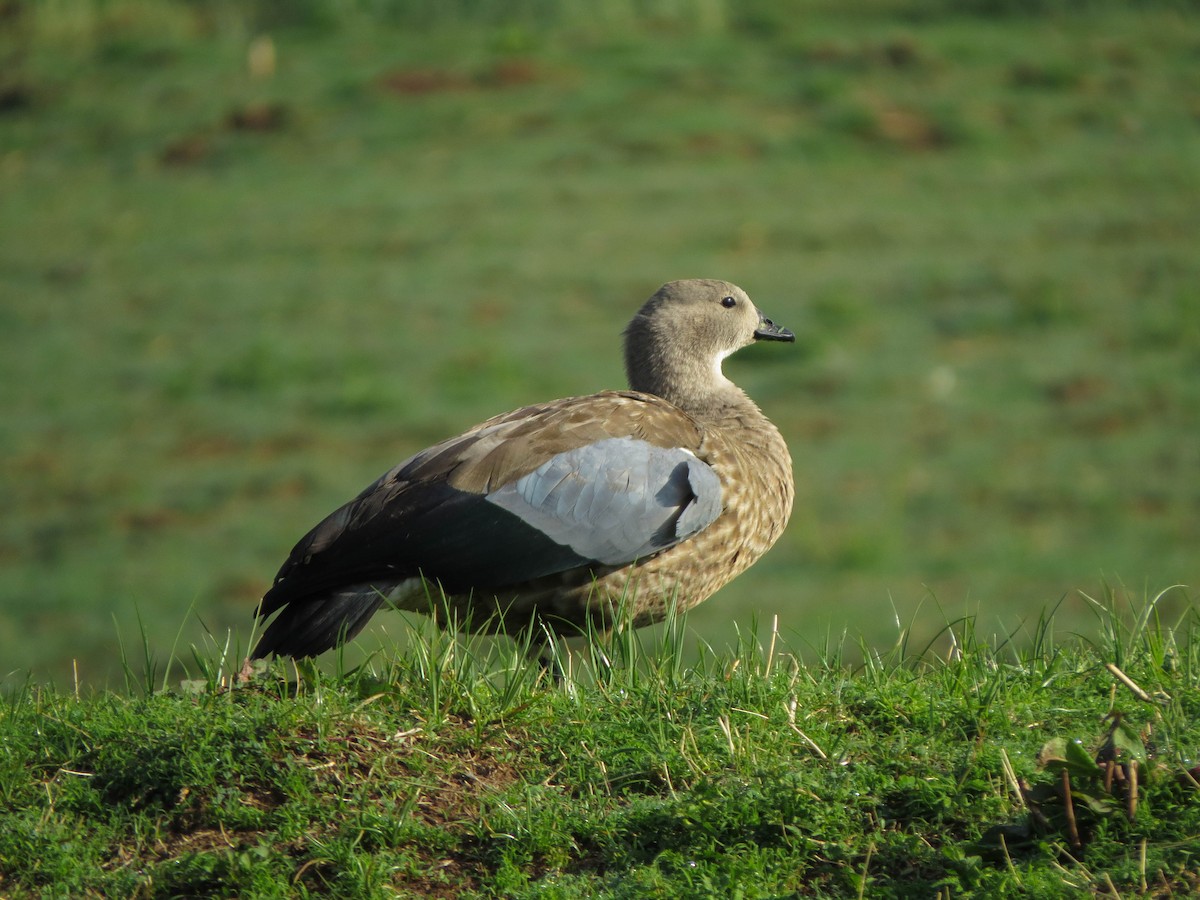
x=308, y=628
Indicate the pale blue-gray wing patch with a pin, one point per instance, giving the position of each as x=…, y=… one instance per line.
x=616, y=500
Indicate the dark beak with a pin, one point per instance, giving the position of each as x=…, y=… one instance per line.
x=769, y=331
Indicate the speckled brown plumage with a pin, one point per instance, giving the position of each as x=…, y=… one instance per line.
x=508, y=560
x=752, y=460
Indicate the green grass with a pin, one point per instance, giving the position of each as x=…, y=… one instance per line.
x=455, y=770
x=980, y=218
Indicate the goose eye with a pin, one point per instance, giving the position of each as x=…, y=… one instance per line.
x=729, y=302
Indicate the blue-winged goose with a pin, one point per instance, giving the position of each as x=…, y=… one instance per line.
x=550, y=514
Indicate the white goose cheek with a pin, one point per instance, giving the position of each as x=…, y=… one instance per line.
x=716, y=364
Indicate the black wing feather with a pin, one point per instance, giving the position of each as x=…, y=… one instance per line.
x=426, y=529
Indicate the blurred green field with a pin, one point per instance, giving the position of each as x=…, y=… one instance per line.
x=253, y=255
